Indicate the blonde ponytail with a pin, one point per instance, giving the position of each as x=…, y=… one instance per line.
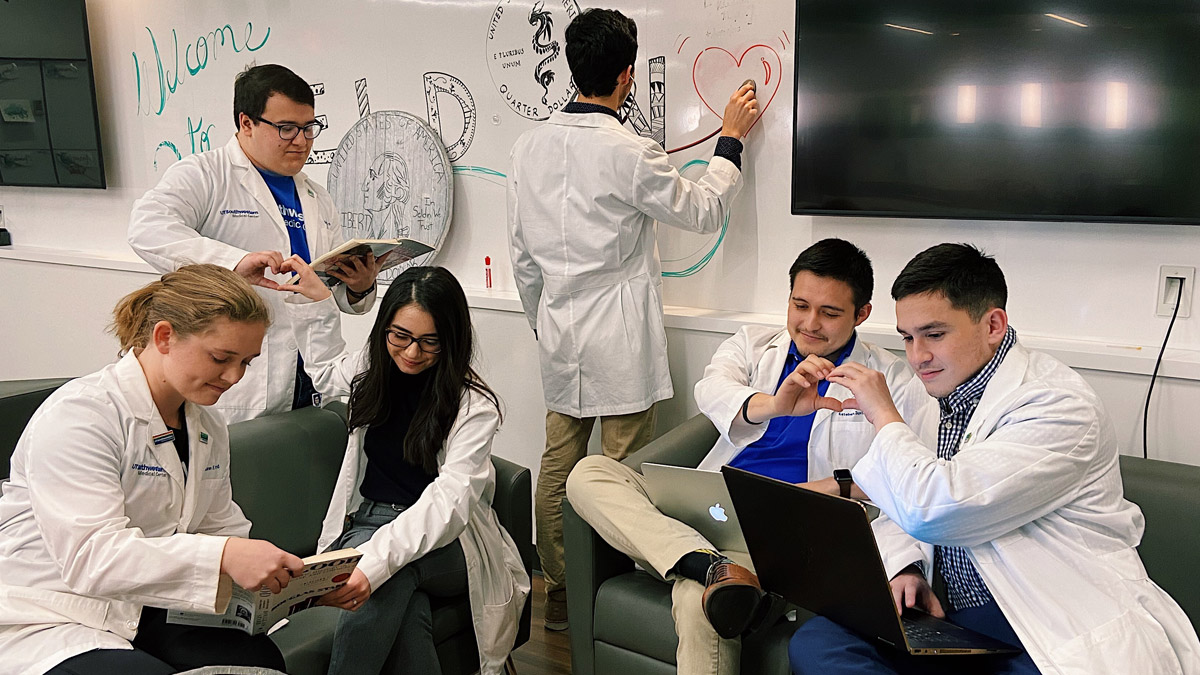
x=190, y=299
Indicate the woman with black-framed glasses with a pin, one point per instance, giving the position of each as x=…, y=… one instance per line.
x=414, y=493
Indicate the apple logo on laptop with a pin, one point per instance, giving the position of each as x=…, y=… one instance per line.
x=717, y=512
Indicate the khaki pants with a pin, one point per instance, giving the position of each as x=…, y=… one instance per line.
x=566, y=444
x=612, y=498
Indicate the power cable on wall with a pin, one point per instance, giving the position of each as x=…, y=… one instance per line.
x=1157, y=363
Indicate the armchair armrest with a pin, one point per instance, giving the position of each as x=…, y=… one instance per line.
x=685, y=445
x=590, y=562
x=513, y=505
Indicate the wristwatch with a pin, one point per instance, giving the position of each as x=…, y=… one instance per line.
x=844, y=481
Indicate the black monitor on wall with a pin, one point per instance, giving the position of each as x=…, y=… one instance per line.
x=49, y=129
x=1081, y=110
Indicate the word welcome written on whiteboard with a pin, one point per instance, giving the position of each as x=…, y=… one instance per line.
x=170, y=77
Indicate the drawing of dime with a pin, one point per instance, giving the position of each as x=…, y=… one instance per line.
x=391, y=177
x=525, y=55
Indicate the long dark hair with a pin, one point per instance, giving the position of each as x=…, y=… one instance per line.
x=436, y=291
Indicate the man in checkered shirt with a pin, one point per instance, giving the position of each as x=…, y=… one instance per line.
x=1019, y=508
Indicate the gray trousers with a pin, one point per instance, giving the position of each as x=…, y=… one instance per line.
x=398, y=614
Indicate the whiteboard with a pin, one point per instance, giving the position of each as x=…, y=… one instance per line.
x=480, y=73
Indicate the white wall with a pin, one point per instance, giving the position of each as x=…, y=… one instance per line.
x=1085, y=291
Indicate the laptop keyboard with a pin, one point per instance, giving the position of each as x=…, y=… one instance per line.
x=920, y=635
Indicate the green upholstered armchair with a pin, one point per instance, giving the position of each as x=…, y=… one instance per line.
x=621, y=617
x=1169, y=496
x=18, y=401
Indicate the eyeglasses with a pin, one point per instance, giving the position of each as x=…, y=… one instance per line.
x=289, y=131
x=403, y=340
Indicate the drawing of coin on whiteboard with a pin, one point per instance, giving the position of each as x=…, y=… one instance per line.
x=391, y=178
x=524, y=53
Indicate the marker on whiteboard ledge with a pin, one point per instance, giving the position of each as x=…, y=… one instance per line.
x=487, y=272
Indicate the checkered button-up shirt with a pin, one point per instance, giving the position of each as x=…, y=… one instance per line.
x=963, y=585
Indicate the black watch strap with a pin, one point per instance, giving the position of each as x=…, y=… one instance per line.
x=844, y=481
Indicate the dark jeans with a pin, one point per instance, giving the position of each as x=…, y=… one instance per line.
x=398, y=612
x=161, y=648
x=823, y=647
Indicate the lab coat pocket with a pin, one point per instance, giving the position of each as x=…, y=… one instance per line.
x=216, y=470
x=1131, y=642
x=850, y=438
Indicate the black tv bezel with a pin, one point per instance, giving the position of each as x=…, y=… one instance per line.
x=921, y=215
x=87, y=44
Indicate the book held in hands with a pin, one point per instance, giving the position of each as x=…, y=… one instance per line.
x=396, y=250
x=255, y=612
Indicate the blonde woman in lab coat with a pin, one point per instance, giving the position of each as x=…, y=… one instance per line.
x=415, y=489
x=118, y=506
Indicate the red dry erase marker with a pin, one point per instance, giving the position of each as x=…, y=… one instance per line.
x=487, y=271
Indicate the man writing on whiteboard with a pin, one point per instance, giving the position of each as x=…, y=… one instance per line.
x=247, y=206
x=583, y=197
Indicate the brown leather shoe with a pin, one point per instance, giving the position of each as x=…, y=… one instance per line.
x=556, y=610
x=733, y=599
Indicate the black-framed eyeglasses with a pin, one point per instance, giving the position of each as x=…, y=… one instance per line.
x=289, y=131
x=403, y=340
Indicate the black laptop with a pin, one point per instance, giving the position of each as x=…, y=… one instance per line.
x=818, y=552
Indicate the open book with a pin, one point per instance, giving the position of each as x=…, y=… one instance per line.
x=397, y=251
x=254, y=612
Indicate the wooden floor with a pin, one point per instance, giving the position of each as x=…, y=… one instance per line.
x=547, y=652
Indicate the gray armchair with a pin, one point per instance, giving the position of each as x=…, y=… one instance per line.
x=621, y=617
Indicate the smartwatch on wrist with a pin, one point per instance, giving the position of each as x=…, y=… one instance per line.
x=844, y=481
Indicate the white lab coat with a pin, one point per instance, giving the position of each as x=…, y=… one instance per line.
x=583, y=195
x=751, y=361
x=214, y=207
x=1035, y=496
x=97, y=521
x=457, y=505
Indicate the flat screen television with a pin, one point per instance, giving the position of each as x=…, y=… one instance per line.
x=1080, y=110
x=49, y=129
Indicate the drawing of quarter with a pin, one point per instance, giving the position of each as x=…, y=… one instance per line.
x=390, y=178
x=525, y=55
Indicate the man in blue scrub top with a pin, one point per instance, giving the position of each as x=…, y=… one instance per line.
x=247, y=206
x=765, y=392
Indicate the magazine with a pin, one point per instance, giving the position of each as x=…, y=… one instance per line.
x=255, y=612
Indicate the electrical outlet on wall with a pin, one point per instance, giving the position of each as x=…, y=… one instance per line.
x=1170, y=278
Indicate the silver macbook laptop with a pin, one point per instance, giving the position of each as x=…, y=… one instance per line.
x=698, y=498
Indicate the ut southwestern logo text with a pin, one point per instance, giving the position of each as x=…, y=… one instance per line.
x=240, y=213
x=149, y=470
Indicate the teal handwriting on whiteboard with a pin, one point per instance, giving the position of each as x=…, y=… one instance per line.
x=204, y=47
x=202, y=131
x=168, y=145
